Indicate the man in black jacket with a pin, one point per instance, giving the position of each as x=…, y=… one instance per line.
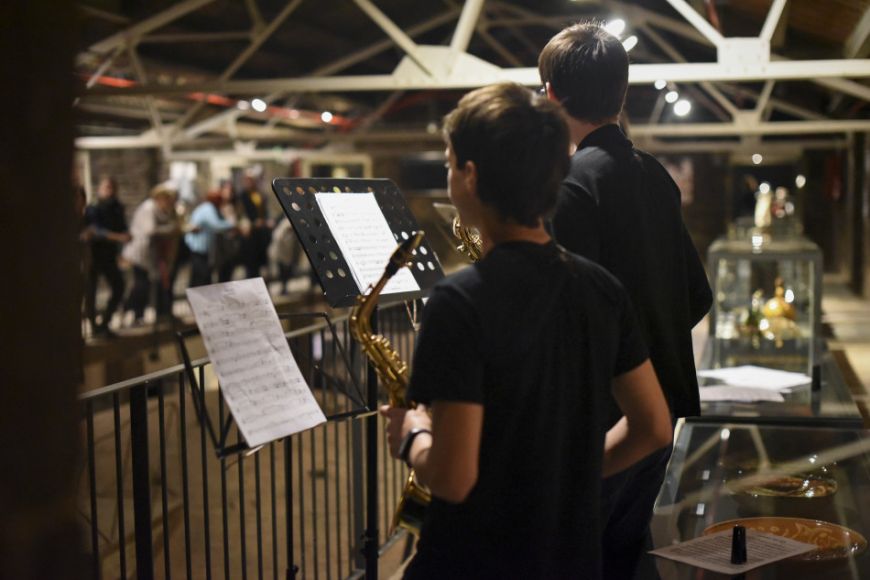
x=106, y=229
x=619, y=207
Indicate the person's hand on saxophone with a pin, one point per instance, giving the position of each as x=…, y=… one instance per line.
x=440, y=442
x=401, y=423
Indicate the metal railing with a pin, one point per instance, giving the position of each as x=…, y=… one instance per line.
x=159, y=501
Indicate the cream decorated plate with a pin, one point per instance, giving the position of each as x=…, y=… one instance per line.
x=834, y=541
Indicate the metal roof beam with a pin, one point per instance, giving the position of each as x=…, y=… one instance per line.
x=674, y=54
x=156, y=122
x=331, y=68
x=195, y=37
x=397, y=34
x=858, y=43
x=739, y=129
x=132, y=34
x=259, y=39
x=784, y=106
x=382, y=45
x=242, y=58
x=636, y=14
x=254, y=12
x=820, y=71
x=772, y=20
x=103, y=14
x=644, y=134
x=764, y=98
x=466, y=25
x=852, y=88
x=856, y=46
x=656, y=146
x=698, y=21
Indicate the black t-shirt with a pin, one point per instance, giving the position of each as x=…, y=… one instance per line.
x=535, y=335
x=106, y=214
x=620, y=208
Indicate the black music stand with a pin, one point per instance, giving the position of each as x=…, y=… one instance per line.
x=220, y=435
x=296, y=196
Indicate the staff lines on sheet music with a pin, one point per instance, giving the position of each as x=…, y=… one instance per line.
x=260, y=380
x=364, y=237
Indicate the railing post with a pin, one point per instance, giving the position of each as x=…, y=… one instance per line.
x=357, y=473
x=292, y=569
x=370, y=546
x=141, y=483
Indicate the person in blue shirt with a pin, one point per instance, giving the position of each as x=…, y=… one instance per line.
x=205, y=221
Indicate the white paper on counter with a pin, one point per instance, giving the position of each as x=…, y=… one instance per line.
x=364, y=237
x=713, y=552
x=758, y=377
x=261, y=382
x=741, y=394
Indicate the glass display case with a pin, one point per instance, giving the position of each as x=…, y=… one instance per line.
x=829, y=405
x=812, y=484
x=766, y=303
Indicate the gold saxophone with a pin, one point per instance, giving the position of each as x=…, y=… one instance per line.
x=470, y=243
x=393, y=374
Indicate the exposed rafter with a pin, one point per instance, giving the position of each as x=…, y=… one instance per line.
x=132, y=34
x=815, y=70
x=450, y=66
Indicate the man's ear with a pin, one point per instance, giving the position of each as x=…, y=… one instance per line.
x=469, y=176
x=551, y=94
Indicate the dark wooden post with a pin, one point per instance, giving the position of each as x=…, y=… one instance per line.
x=40, y=300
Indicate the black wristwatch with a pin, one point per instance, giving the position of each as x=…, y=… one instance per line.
x=407, y=442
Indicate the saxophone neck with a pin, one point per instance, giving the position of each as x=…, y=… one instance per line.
x=361, y=314
x=392, y=372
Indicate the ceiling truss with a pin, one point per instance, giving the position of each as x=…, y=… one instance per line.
x=427, y=67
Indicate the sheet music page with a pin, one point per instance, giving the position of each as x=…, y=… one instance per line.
x=757, y=377
x=261, y=382
x=361, y=231
x=713, y=552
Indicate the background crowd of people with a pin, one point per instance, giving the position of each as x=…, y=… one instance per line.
x=168, y=245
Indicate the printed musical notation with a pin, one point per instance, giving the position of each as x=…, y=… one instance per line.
x=261, y=382
x=361, y=231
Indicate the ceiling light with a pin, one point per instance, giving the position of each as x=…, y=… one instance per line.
x=243, y=105
x=682, y=108
x=660, y=84
x=672, y=96
x=432, y=127
x=764, y=187
x=800, y=181
x=757, y=159
x=326, y=117
x=615, y=27
x=258, y=105
x=629, y=43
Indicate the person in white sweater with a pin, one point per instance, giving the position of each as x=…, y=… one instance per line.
x=155, y=228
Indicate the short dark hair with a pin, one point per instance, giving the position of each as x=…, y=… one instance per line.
x=587, y=68
x=519, y=143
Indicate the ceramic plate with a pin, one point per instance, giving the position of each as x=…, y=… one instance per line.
x=833, y=541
